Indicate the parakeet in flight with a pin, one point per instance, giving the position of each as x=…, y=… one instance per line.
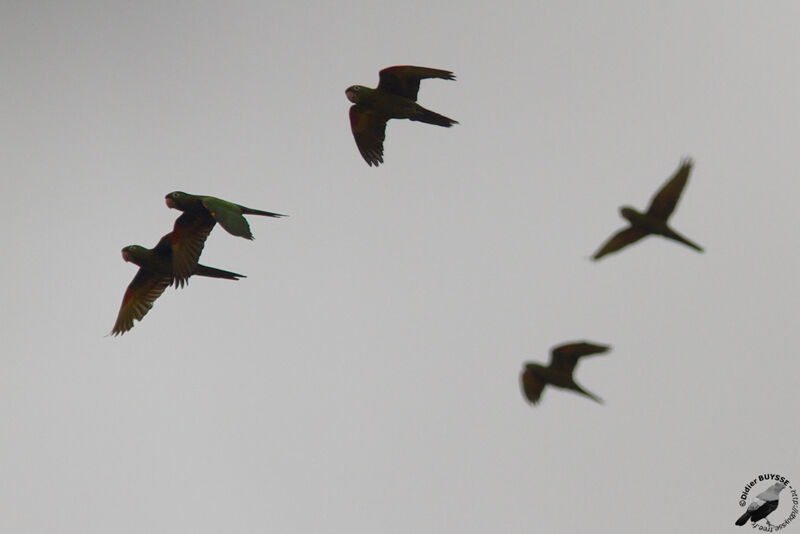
x=200, y=214
x=394, y=98
x=154, y=276
x=563, y=360
x=654, y=220
x=764, y=504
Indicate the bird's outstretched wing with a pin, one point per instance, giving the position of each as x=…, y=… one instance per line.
x=369, y=131
x=664, y=202
x=188, y=239
x=143, y=290
x=619, y=240
x=404, y=80
x=532, y=386
x=565, y=357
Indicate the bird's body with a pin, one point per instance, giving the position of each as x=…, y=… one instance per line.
x=394, y=98
x=564, y=358
x=764, y=504
x=154, y=276
x=200, y=214
x=158, y=260
x=654, y=220
x=559, y=379
x=383, y=102
x=655, y=225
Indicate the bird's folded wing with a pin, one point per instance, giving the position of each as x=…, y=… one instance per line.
x=764, y=510
x=229, y=216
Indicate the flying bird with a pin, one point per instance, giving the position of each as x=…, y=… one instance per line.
x=654, y=220
x=394, y=98
x=154, y=276
x=764, y=504
x=563, y=360
x=200, y=214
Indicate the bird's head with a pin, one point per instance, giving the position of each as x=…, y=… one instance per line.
x=173, y=199
x=132, y=252
x=353, y=93
x=628, y=212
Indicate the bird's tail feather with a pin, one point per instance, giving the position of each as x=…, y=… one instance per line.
x=426, y=115
x=678, y=237
x=211, y=272
x=250, y=211
x=590, y=395
x=742, y=520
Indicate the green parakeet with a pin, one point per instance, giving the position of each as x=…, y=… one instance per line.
x=563, y=360
x=394, y=98
x=154, y=276
x=200, y=214
x=654, y=221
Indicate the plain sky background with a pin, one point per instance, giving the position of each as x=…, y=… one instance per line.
x=364, y=377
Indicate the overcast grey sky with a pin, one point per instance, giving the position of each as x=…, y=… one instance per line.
x=364, y=377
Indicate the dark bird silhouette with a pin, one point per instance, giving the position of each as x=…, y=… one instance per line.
x=654, y=221
x=154, y=276
x=394, y=98
x=764, y=504
x=563, y=360
x=200, y=214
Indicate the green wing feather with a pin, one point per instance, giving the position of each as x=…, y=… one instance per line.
x=229, y=216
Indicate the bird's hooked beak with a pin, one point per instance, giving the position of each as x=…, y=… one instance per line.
x=126, y=255
x=352, y=95
x=170, y=202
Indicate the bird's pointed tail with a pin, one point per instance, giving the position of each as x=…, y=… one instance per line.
x=250, y=211
x=678, y=237
x=431, y=117
x=211, y=272
x=742, y=520
x=590, y=395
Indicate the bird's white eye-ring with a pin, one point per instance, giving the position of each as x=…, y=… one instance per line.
x=175, y=194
